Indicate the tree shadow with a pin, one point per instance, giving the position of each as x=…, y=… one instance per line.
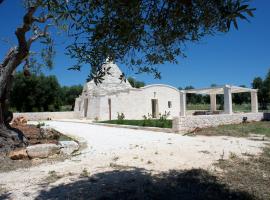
x=195, y=184
x=4, y=196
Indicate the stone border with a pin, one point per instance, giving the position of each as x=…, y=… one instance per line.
x=147, y=128
x=187, y=124
x=37, y=116
x=155, y=129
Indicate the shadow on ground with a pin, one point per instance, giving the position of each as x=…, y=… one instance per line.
x=4, y=196
x=137, y=184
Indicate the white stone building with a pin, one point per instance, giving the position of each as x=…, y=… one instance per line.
x=113, y=96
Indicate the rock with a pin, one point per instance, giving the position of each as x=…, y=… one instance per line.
x=21, y=120
x=42, y=150
x=18, y=154
x=68, y=147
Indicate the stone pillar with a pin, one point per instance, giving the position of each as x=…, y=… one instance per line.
x=254, y=102
x=175, y=124
x=182, y=103
x=213, y=102
x=77, y=105
x=227, y=100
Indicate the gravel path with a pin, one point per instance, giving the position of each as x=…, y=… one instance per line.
x=109, y=148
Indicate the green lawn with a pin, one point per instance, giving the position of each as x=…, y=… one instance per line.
x=146, y=123
x=239, y=130
x=236, y=107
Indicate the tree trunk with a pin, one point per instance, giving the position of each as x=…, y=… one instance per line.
x=11, y=62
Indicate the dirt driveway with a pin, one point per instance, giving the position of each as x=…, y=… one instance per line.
x=110, y=148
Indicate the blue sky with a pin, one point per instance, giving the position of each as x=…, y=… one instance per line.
x=233, y=58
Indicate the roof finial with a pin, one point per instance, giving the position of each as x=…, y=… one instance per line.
x=108, y=60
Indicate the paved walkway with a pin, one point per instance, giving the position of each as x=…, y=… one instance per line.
x=109, y=147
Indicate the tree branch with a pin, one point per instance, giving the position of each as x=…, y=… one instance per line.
x=44, y=33
x=20, y=32
x=42, y=19
x=7, y=57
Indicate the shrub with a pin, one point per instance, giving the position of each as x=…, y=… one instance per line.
x=164, y=116
x=120, y=116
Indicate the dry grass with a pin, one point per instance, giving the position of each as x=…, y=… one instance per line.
x=2, y=190
x=238, y=130
x=53, y=177
x=251, y=175
x=85, y=173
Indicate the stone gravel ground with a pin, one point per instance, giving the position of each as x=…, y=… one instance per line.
x=111, y=149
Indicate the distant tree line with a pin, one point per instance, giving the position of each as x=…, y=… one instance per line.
x=44, y=93
x=38, y=93
x=263, y=86
x=238, y=98
x=135, y=83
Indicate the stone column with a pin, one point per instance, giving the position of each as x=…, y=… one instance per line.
x=213, y=102
x=254, y=102
x=227, y=100
x=182, y=103
x=76, y=106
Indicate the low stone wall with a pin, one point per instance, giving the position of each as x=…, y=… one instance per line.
x=35, y=116
x=190, y=123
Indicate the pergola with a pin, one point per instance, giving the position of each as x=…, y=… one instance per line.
x=227, y=90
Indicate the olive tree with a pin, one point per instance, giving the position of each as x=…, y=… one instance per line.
x=139, y=33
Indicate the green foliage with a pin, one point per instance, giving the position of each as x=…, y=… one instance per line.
x=68, y=95
x=163, y=117
x=134, y=83
x=263, y=86
x=146, y=123
x=240, y=98
x=40, y=124
x=239, y=130
x=120, y=116
x=143, y=34
x=41, y=93
x=244, y=107
x=35, y=93
x=201, y=102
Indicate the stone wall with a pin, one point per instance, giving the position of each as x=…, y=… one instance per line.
x=189, y=123
x=135, y=103
x=34, y=116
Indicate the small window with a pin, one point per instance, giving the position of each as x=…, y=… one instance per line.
x=169, y=104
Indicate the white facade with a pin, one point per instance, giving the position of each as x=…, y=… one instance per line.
x=106, y=100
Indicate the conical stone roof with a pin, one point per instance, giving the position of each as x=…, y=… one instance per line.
x=110, y=84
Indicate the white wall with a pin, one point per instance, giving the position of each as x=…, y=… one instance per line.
x=35, y=116
x=164, y=94
x=190, y=123
x=137, y=102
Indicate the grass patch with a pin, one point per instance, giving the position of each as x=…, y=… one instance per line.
x=53, y=177
x=238, y=130
x=85, y=173
x=199, y=106
x=145, y=123
x=236, y=107
x=2, y=190
x=251, y=175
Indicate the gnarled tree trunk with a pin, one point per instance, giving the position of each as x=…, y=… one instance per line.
x=12, y=60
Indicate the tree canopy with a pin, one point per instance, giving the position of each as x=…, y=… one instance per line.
x=135, y=83
x=263, y=86
x=143, y=34
x=140, y=33
x=41, y=93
